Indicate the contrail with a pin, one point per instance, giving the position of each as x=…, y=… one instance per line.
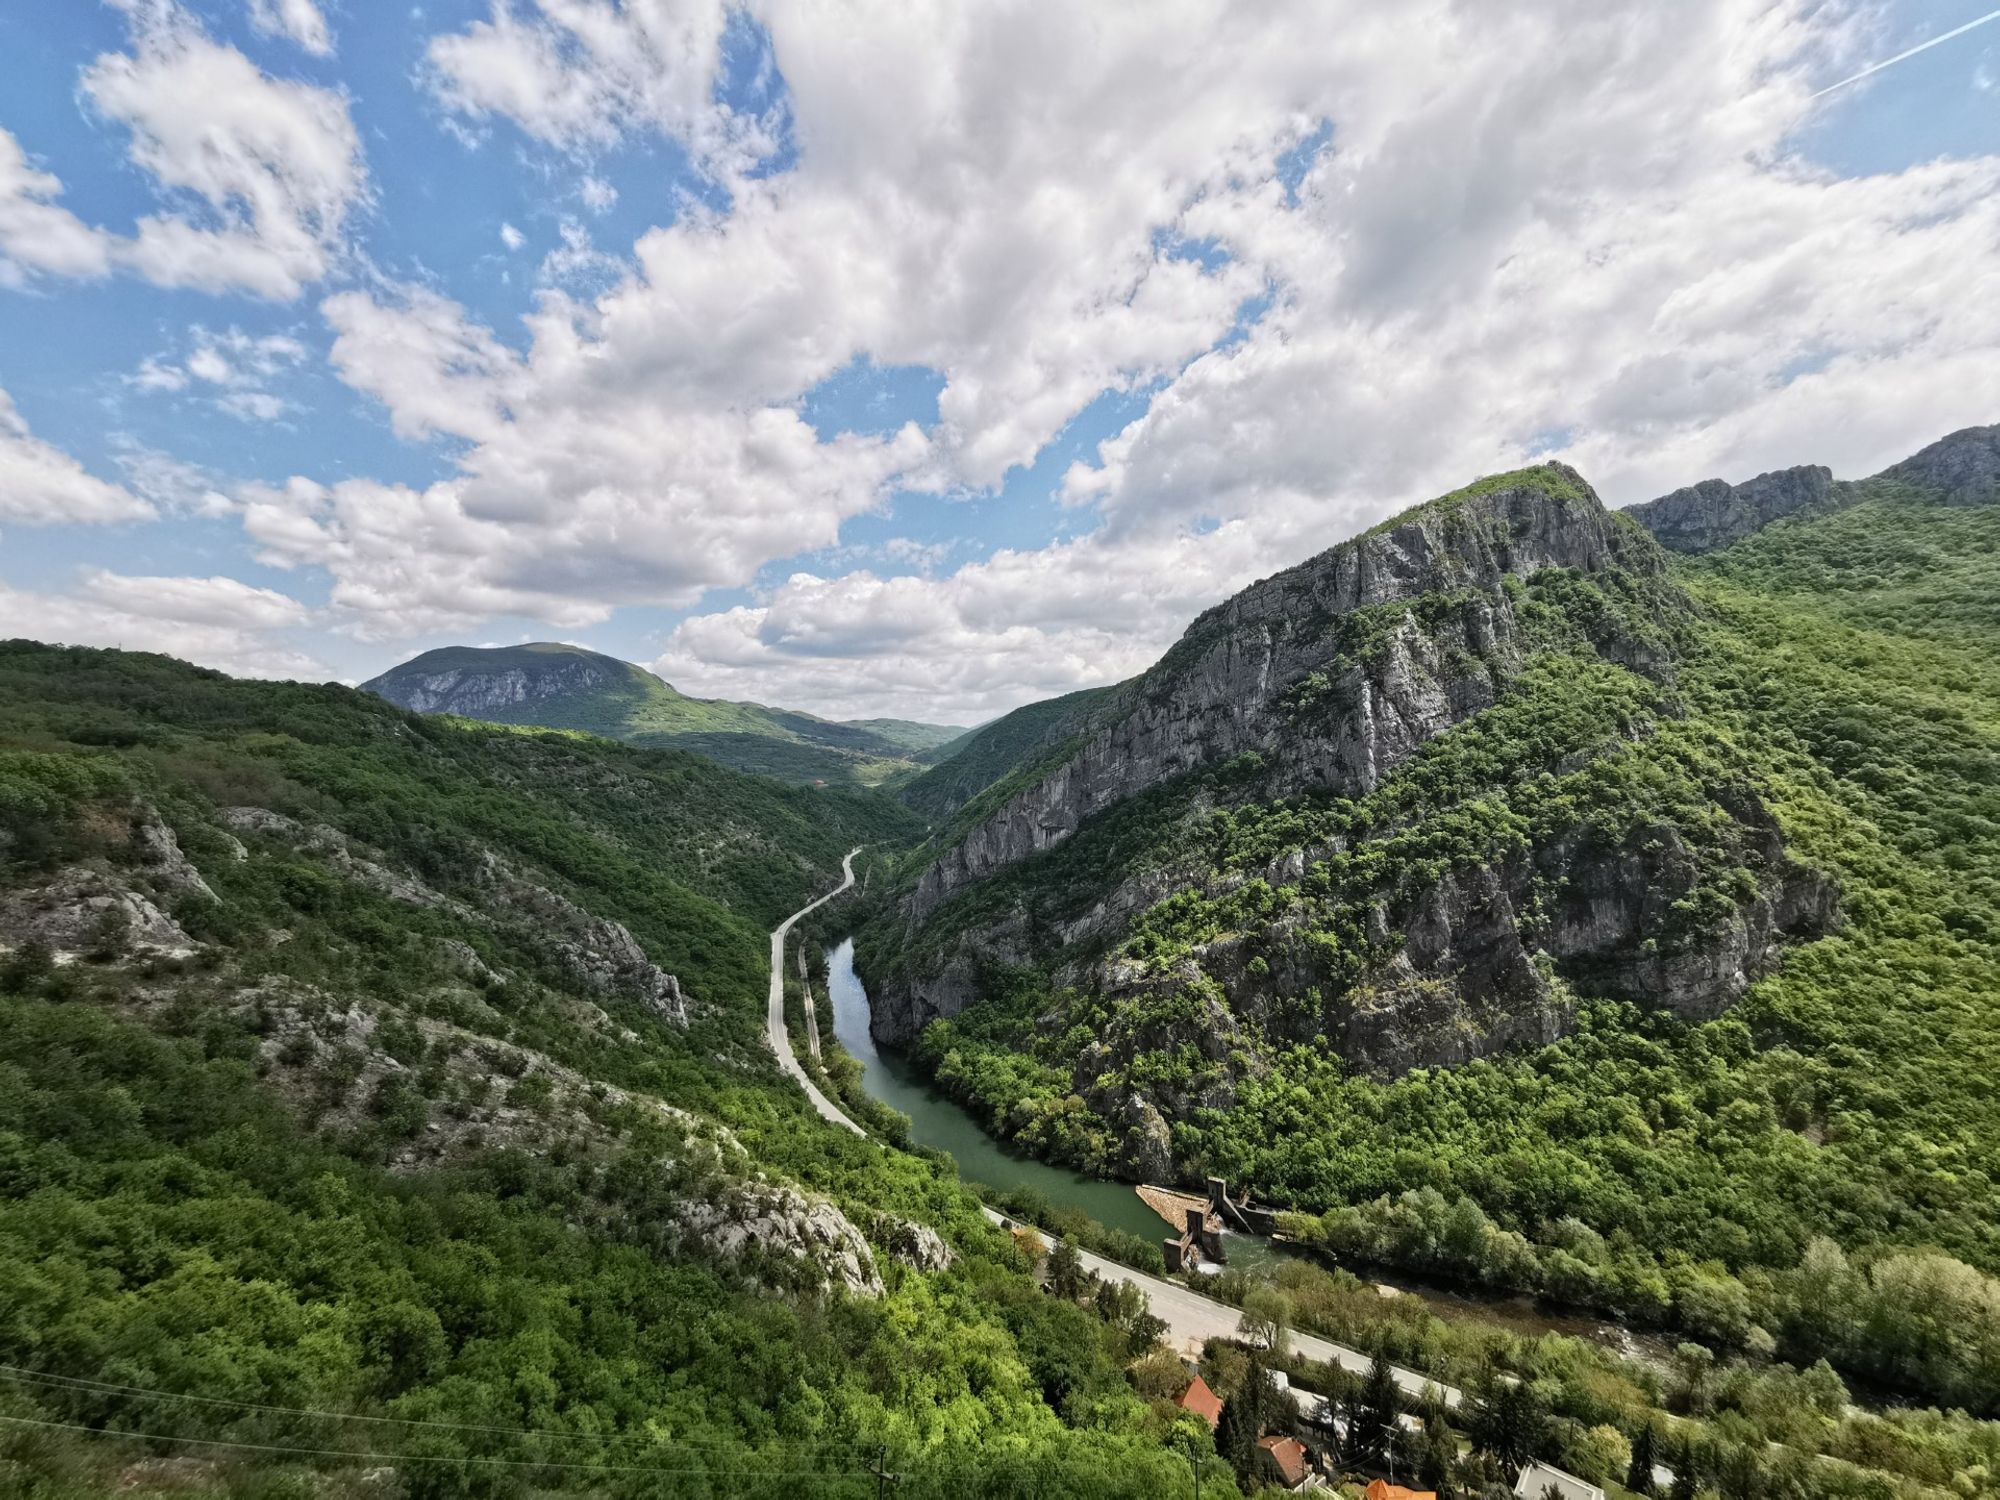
x=1991, y=15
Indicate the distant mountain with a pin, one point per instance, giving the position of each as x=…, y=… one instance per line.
x=1961, y=469
x=559, y=686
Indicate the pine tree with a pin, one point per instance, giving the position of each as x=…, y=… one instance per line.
x=1687, y=1481
x=1243, y=1423
x=1645, y=1454
x=1437, y=1459
x=1381, y=1402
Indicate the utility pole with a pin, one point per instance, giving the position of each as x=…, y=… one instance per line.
x=883, y=1477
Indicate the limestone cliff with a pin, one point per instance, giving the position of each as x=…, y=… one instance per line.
x=1706, y=516
x=1223, y=689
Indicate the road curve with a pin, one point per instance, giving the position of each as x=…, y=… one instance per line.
x=1189, y=1316
x=774, y=1016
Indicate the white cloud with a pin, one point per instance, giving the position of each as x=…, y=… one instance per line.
x=511, y=237
x=171, y=484
x=581, y=73
x=215, y=622
x=266, y=170
x=577, y=263
x=258, y=175
x=40, y=485
x=240, y=364
x=300, y=20
x=598, y=195
x=195, y=601
x=37, y=234
x=1549, y=225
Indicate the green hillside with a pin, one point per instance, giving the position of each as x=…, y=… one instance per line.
x=1011, y=745
x=384, y=1110
x=566, y=687
x=1813, y=710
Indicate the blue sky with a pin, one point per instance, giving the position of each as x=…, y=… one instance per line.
x=864, y=365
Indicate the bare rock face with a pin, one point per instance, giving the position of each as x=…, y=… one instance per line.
x=1233, y=683
x=1710, y=515
x=917, y=1246
x=87, y=909
x=602, y=954
x=161, y=858
x=476, y=691
x=1963, y=468
x=783, y=1221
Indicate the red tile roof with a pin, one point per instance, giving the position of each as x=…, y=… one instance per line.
x=1288, y=1456
x=1381, y=1489
x=1203, y=1402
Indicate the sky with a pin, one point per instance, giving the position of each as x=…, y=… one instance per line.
x=925, y=360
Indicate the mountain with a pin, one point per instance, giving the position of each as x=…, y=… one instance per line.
x=1962, y=469
x=385, y=1110
x=566, y=687
x=1507, y=855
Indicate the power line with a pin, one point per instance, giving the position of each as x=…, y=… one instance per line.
x=83, y=1385
x=414, y=1458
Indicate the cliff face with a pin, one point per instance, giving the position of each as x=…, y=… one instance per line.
x=1276, y=837
x=1962, y=469
x=1223, y=690
x=475, y=684
x=1703, y=517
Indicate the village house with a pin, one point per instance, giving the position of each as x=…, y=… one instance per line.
x=1202, y=1401
x=1381, y=1489
x=1284, y=1461
x=1538, y=1480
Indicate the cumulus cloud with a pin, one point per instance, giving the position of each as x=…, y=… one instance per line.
x=40, y=485
x=1544, y=227
x=301, y=21
x=36, y=233
x=511, y=237
x=215, y=622
x=582, y=75
x=258, y=175
x=265, y=170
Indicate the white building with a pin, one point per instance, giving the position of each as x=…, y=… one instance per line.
x=1538, y=1479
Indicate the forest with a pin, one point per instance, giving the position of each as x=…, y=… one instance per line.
x=373, y=1185
x=1833, y=1134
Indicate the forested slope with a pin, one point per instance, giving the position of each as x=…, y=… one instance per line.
x=383, y=1111
x=1665, y=963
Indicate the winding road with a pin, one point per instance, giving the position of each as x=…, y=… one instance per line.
x=774, y=1017
x=1189, y=1316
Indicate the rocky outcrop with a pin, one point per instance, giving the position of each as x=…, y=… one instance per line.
x=784, y=1221
x=601, y=954
x=1710, y=515
x=475, y=690
x=160, y=858
x=1964, y=468
x=1232, y=684
x=917, y=1246
x=88, y=909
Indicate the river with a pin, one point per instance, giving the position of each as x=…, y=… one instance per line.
x=939, y=1121
x=946, y=1125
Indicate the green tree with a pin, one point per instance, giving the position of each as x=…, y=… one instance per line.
x=1645, y=1454
x=1687, y=1474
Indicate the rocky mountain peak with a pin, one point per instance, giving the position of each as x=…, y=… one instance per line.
x=1318, y=671
x=477, y=680
x=1964, y=467
x=1714, y=513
